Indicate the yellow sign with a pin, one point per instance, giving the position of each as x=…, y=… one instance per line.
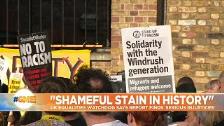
x=15, y=81
x=65, y=63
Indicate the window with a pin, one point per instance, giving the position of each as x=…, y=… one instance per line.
x=65, y=21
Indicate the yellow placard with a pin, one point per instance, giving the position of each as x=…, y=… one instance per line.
x=64, y=62
x=15, y=81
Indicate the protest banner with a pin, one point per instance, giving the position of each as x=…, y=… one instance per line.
x=148, y=60
x=3, y=67
x=36, y=58
x=15, y=81
x=62, y=65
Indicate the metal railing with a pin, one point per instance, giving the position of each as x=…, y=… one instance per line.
x=67, y=22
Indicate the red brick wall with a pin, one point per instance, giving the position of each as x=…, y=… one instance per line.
x=195, y=54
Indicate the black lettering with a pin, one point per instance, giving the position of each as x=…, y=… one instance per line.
x=128, y=44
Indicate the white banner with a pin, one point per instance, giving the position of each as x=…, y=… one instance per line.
x=3, y=67
x=148, y=59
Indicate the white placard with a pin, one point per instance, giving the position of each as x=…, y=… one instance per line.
x=3, y=67
x=116, y=78
x=148, y=59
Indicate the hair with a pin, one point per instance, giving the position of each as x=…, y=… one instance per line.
x=54, y=85
x=71, y=89
x=212, y=84
x=185, y=84
x=185, y=88
x=1, y=118
x=83, y=78
x=30, y=117
x=69, y=84
x=210, y=118
x=85, y=75
x=185, y=80
x=122, y=116
x=149, y=118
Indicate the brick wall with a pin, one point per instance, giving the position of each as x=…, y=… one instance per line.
x=198, y=44
x=126, y=13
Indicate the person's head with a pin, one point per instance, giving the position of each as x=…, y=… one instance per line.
x=146, y=119
x=212, y=118
x=69, y=84
x=221, y=79
x=185, y=88
x=185, y=80
x=185, y=85
x=204, y=118
x=54, y=85
x=29, y=117
x=194, y=118
x=91, y=80
x=213, y=86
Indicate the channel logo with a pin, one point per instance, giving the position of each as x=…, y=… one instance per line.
x=24, y=99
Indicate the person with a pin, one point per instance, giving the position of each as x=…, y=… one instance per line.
x=213, y=86
x=185, y=88
x=184, y=85
x=52, y=85
x=30, y=117
x=13, y=118
x=72, y=118
x=1, y=119
x=195, y=119
x=205, y=118
x=91, y=80
x=101, y=119
x=151, y=118
x=221, y=79
x=120, y=87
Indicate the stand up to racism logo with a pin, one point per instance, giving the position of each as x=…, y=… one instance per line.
x=36, y=58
